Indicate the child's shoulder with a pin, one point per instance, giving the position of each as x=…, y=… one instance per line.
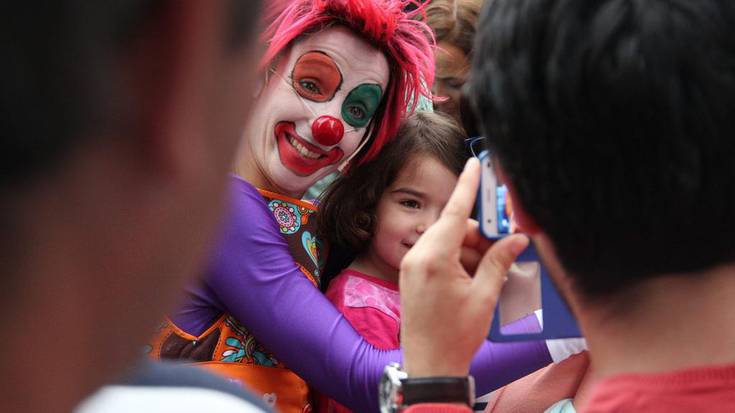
x=355, y=289
x=354, y=279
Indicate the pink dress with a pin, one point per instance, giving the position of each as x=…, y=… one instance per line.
x=372, y=305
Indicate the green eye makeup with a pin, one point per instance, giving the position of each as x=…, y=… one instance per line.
x=361, y=104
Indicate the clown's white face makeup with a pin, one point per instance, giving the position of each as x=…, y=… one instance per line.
x=314, y=111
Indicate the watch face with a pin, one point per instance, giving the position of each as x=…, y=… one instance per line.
x=390, y=389
x=387, y=394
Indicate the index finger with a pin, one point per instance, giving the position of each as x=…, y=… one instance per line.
x=474, y=238
x=452, y=224
x=462, y=199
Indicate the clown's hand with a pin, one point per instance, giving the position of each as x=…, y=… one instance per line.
x=446, y=310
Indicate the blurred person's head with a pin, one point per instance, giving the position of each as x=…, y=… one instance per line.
x=120, y=121
x=453, y=23
x=612, y=122
x=338, y=77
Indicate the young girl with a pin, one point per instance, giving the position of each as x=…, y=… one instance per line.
x=377, y=212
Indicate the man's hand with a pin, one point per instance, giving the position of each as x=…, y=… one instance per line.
x=445, y=310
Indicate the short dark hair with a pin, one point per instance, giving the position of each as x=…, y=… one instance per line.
x=613, y=120
x=347, y=209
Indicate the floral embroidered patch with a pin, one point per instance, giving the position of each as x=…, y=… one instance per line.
x=289, y=216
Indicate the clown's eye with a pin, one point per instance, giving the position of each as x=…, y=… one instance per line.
x=356, y=112
x=310, y=86
x=360, y=104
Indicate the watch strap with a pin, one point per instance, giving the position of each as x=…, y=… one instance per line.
x=438, y=390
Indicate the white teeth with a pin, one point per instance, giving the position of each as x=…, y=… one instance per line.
x=302, y=149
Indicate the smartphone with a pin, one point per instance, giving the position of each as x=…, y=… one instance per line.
x=494, y=210
x=529, y=284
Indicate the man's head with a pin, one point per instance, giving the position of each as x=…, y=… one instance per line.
x=120, y=122
x=612, y=120
x=339, y=76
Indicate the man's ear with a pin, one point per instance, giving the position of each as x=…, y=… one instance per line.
x=525, y=222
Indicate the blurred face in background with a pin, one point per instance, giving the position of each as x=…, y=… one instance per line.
x=124, y=215
x=452, y=69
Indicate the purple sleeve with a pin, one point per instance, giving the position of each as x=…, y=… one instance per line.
x=497, y=364
x=254, y=278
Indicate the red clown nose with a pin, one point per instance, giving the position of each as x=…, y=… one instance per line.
x=327, y=130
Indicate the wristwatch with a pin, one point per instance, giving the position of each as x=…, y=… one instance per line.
x=398, y=391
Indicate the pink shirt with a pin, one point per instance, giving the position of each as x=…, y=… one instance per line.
x=373, y=307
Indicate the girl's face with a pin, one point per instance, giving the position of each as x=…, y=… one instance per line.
x=315, y=109
x=407, y=208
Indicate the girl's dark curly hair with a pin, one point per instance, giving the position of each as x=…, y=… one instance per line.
x=347, y=208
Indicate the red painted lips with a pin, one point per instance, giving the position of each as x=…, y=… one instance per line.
x=299, y=156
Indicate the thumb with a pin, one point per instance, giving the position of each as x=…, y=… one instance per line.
x=493, y=268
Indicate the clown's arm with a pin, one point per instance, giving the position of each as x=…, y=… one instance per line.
x=254, y=278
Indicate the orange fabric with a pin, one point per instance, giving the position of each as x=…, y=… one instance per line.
x=300, y=202
x=539, y=390
x=277, y=385
x=280, y=388
x=168, y=328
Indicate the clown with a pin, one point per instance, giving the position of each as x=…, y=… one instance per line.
x=338, y=77
x=314, y=112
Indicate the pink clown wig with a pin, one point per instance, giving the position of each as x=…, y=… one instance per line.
x=407, y=43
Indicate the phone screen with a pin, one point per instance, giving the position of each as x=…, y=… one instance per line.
x=529, y=287
x=501, y=192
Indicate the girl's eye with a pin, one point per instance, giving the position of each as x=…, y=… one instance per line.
x=409, y=203
x=356, y=112
x=309, y=86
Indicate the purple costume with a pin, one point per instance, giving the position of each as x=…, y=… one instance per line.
x=253, y=277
